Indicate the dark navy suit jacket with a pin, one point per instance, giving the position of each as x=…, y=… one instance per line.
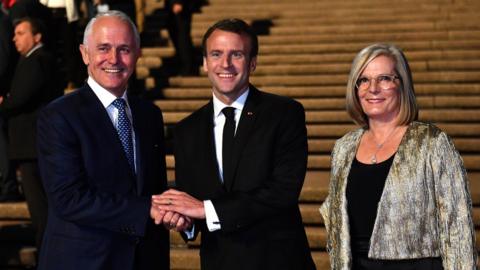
x=99, y=211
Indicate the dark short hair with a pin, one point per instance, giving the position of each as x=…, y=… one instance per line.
x=237, y=26
x=37, y=26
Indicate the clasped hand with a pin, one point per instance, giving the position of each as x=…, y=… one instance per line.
x=176, y=209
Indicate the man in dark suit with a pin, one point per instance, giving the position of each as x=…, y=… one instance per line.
x=101, y=156
x=8, y=56
x=33, y=86
x=240, y=162
x=179, y=24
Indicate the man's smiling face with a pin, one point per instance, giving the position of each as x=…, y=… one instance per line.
x=228, y=64
x=111, y=54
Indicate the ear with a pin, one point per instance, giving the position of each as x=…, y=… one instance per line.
x=205, y=67
x=84, y=52
x=253, y=64
x=37, y=38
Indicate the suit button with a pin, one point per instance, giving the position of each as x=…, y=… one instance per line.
x=135, y=241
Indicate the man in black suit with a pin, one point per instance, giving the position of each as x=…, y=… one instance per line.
x=179, y=24
x=8, y=56
x=101, y=156
x=33, y=86
x=240, y=162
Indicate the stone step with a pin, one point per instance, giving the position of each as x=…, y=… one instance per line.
x=188, y=259
x=275, y=14
x=329, y=47
x=341, y=116
x=370, y=37
x=454, y=102
x=158, y=51
x=145, y=64
x=149, y=61
x=357, y=46
x=343, y=3
x=332, y=79
x=398, y=26
x=348, y=57
x=209, y=14
x=355, y=18
x=344, y=68
x=464, y=90
x=282, y=6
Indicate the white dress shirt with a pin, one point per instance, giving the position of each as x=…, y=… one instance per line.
x=211, y=217
x=213, y=223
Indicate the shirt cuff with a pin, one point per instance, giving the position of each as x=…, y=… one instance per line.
x=213, y=224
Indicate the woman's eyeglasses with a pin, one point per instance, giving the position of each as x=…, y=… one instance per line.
x=383, y=81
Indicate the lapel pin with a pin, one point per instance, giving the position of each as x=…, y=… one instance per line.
x=250, y=113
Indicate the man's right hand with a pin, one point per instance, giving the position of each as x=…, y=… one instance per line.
x=171, y=220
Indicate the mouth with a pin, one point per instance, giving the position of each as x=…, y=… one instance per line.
x=113, y=70
x=226, y=75
x=375, y=100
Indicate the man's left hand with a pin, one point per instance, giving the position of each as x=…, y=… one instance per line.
x=180, y=202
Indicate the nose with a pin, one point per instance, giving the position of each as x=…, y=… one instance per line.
x=373, y=87
x=112, y=56
x=226, y=61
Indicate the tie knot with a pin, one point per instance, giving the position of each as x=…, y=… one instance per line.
x=119, y=103
x=229, y=112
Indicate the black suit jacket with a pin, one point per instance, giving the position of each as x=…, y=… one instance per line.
x=33, y=85
x=8, y=55
x=99, y=211
x=258, y=204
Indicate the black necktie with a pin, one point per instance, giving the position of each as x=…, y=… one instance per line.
x=227, y=142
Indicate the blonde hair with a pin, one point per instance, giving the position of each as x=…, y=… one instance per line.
x=408, y=104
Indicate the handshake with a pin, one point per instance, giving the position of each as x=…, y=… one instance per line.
x=176, y=210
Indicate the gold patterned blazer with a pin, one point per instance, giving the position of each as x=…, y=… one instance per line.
x=425, y=207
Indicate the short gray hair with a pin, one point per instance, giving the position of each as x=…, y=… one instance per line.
x=112, y=13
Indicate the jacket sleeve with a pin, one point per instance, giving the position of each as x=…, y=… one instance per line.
x=71, y=197
x=457, y=234
x=25, y=90
x=327, y=204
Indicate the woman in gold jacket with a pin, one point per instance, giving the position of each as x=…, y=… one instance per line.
x=398, y=195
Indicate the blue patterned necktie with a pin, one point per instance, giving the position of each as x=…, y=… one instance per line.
x=124, y=130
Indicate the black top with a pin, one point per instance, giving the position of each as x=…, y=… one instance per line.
x=364, y=190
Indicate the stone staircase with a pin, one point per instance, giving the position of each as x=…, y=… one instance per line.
x=306, y=48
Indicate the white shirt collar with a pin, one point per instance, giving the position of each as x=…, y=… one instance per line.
x=36, y=47
x=238, y=104
x=105, y=97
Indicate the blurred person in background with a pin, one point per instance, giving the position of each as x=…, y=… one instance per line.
x=8, y=185
x=179, y=24
x=34, y=84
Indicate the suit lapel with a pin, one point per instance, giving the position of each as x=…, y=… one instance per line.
x=244, y=130
x=140, y=152
x=209, y=141
x=97, y=117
